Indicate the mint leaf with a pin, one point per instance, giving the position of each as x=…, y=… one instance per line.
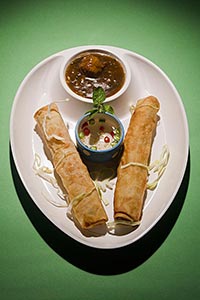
x=98, y=96
x=108, y=109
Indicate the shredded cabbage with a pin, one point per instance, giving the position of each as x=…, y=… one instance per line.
x=43, y=171
x=54, y=201
x=101, y=188
x=103, y=185
x=46, y=174
x=159, y=166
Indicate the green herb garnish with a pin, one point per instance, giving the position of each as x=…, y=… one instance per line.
x=98, y=98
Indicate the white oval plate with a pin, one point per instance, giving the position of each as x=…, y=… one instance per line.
x=42, y=86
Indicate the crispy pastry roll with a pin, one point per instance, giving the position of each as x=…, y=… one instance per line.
x=86, y=205
x=132, y=171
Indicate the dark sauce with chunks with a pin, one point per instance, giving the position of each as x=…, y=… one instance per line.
x=95, y=69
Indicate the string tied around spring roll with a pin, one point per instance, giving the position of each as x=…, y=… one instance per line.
x=133, y=108
x=44, y=172
x=48, y=116
x=158, y=166
x=65, y=154
x=76, y=200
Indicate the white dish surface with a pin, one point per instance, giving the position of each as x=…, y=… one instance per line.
x=42, y=86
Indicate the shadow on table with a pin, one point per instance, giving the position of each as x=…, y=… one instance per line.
x=101, y=261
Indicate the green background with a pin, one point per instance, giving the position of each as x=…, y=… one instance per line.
x=37, y=261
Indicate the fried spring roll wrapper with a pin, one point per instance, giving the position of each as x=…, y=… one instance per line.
x=132, y=180
x=74, y=175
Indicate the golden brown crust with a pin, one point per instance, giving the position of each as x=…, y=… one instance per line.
x=70, y=168
x=131, y=181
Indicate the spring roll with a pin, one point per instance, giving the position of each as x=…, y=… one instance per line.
x=83, y=198
x=132, y=171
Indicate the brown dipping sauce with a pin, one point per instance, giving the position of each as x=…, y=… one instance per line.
x=93, y=69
